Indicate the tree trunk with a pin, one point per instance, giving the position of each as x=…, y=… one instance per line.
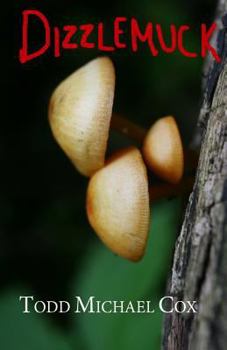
x=199, y=269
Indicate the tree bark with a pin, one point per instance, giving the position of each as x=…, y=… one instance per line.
x=199, y=269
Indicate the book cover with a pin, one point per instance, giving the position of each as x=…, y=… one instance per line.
x=113, y=191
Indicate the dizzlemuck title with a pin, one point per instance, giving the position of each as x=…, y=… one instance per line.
x=127, y=34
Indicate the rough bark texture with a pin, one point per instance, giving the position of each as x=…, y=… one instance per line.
x=200, y=262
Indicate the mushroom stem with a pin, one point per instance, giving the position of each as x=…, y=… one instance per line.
x=165, y=190
x=137, y=133
x=128, y=128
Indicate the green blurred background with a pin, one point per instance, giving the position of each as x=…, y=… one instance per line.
x=47, y=247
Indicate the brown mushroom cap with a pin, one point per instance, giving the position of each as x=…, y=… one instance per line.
x=118, y=204
x=163, y=150
x=80, y=111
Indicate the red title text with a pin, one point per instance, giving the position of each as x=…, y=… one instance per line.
x=128, y=34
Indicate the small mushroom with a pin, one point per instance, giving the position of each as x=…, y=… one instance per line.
x=118, y=204
x=80, y=110
x=163, y=150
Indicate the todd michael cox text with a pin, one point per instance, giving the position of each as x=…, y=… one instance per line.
x=92, y=305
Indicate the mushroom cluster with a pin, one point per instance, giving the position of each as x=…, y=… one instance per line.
x=117, y=204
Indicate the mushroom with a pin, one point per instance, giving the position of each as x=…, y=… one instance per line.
x=80, y=110
x=118, y=204
x=163, y=150
x=162, y=147
x=118, y=199
x=80, y=113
